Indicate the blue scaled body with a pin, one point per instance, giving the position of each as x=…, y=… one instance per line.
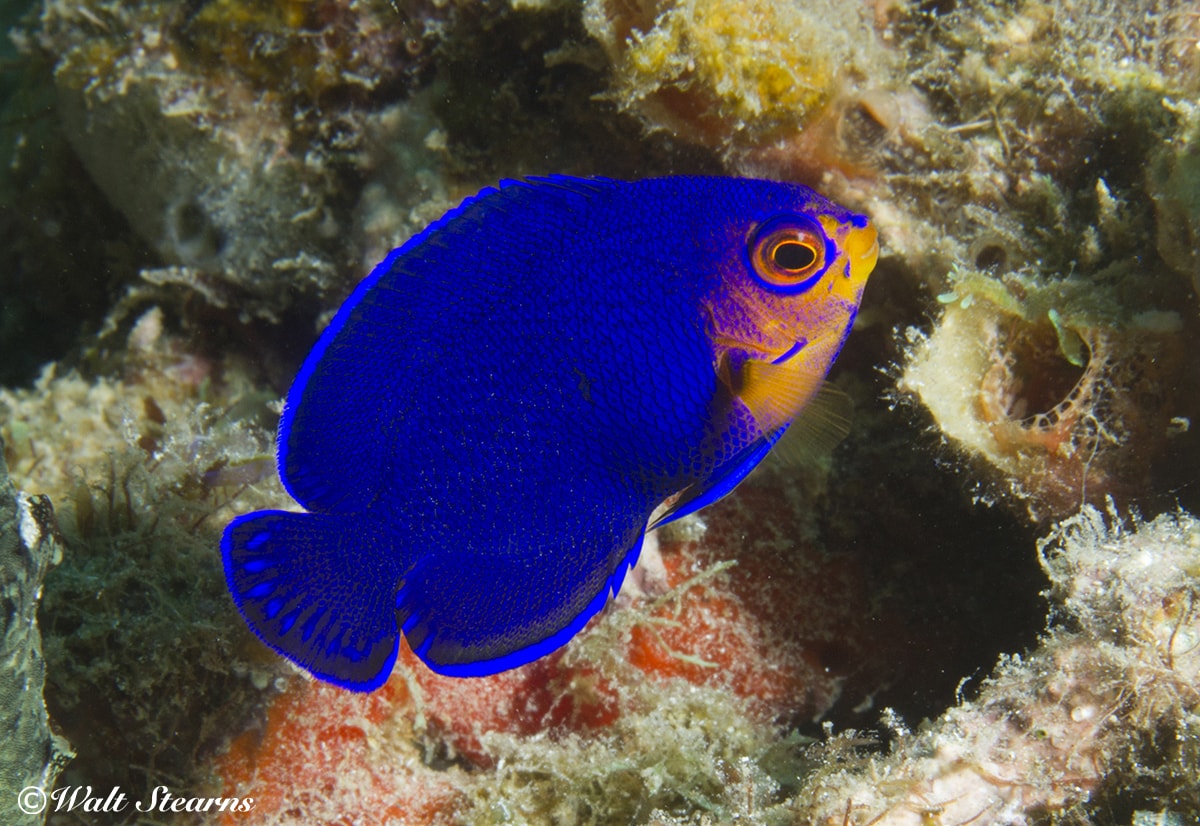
x=480, y=436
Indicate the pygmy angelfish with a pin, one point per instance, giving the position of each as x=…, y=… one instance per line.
x=483, y=432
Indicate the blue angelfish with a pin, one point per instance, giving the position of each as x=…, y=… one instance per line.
x=483, y=432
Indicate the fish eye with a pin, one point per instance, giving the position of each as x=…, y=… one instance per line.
x=787, y=253
x=791, y=255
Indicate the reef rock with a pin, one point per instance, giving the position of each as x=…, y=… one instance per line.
x=32, y=755
x=1105, y=706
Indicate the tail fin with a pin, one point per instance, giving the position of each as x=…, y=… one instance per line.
x=319, y=589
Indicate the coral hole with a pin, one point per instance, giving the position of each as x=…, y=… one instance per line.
x=864, y=125
x=991, y=257
x=197, y=240
x=1031, y=377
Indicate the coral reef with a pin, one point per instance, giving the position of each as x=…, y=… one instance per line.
x=229, y=133
x=1106, y=703
x=732, y=76
x=1078, y=381
x=1048, y=247
x=146, y=668
x=32, y=755
x=675, y=750
x=1067, y=393
x=1026, y=341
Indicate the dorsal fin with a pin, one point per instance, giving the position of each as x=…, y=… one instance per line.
x=382, y=324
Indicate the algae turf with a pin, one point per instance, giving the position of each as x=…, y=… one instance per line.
x=151, y=670
x=140, y=639
x=230, y=136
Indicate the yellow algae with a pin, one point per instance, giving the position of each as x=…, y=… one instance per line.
x=712, y=70
x=704, y=43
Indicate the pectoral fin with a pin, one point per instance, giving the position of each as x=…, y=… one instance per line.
x=724, y=479
x=792, y=394
x=819, y=428
x=776, y=393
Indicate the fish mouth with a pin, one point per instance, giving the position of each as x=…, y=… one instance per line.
x=858, y=252
x=862, y=251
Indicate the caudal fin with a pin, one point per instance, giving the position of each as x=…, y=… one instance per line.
x=319, y=589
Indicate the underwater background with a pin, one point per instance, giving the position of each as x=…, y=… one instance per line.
x=980, y=607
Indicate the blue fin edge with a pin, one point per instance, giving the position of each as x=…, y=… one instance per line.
x=483, y=668
x=726, y=479
x=581, y=186
x=353, y=685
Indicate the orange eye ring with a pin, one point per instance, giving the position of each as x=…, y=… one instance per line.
x=789, y=253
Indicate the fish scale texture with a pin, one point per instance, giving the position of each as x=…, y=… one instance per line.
x=488, y=422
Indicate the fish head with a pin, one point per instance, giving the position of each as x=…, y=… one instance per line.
x=788, y=296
